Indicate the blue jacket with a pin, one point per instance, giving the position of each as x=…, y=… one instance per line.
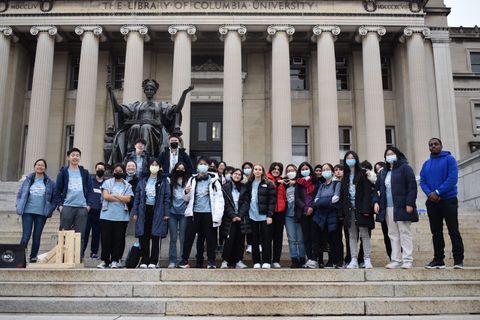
x=24, y=192
x=182, y=157
x=61, y=186
x=325, y=212
x=404, y=192
x=160, y=209
x=440, y=174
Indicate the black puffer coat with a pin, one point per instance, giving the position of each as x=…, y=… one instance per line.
x=267, y=198
x=229, y=212
x=363, y=201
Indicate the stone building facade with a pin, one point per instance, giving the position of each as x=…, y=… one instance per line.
x=274, y=80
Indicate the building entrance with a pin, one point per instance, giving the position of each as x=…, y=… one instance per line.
x=206, y=131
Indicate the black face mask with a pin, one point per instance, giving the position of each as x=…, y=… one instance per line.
x=100, y=173
x=117, y=175
x=174, y=145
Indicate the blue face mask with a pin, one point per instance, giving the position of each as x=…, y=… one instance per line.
x=305, y=173
x=327, y=174
x=391, y=159
x=228, y=177
x=202, y=168
x=247, y=171
x=351, y=162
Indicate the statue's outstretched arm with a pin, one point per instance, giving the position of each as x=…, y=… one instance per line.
x=181, y=101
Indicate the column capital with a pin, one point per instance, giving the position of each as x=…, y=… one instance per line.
x=52, y=31
x=8, y=32
x=191, y=30
x=273, y=29
x=226, y=28
x=319, y=29
x=364, y=30
x=410, y=31
x=96, y=30
x=140, y=28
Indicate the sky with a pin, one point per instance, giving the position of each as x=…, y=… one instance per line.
x=464, y=13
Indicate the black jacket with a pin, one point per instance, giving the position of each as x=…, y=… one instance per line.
x=182, y=157
x=300, y=199
x=363, y=201
x=229, y=212
x=267, y=198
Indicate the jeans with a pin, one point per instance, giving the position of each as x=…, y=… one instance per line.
x=276, y=228
x=93, y=224
x=295, y=238
x=445, y=209
x=176, y=228
x=400, y=237
x=37, y=222
x=113, y=240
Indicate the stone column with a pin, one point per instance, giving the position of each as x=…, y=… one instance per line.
x=41, y=94
x=182, y=37
x=6, y=36
x=86, y=93
x=233, y=35
x=328, y=140
x=280, y=36
x=419, y=102
x=445, y=92
x=373, y=92
x=135, y=35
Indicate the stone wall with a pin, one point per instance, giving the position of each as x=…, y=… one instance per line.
x=468, y=181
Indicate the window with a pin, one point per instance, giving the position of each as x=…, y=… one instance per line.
x=74, y=72
x=118, y=72
x=69, y=134
x=386, y=75
x=345, y=134
x=342, y=73
x=300, y=144
x=476, y=118
x=298, y=69
x=390, y=135
x=475, y=61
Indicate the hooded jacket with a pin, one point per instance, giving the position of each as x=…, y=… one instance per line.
x=281, y=204
x=24, y=192
x=440, y=174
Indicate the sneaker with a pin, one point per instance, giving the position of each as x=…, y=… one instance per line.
x=171, y=265
x=329, y=265
x=143, y=266
x=367, y=264
x=393, y=265
x=33, y=260
x=353, y=264
x=257, y=266
x=183, y=264
x=211, y=265
x=311, y=264
x=266, y=266
x=361, y=265
x=407, y=265
x=435, y=265
x=458, y=265
x=94, y=256
x=249, y=249
x=276, y=265
x=102, y=265
x=241, y=265
x=151, y=266
x=224, y=265
x=114, y=265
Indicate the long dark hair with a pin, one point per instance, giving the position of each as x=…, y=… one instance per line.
x=346, y=168
x=176, y=175
x=398, y=153
x=312, y=172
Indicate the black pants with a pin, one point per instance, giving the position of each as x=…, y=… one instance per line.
x=93, y=224
x=261, y=235
x=276, y=229
x=233, y=245
x=386, y=239
x=200, y=248
x=113, y=240
x=311, y=237
x=437, y=212
x=201, y=224
x=149, y=257
x=335, y=243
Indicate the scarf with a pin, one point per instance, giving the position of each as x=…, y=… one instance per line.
x=307, y=183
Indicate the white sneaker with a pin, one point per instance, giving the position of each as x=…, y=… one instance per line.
x=151, y=266
x=266, y=266
x=407, y=265
x=368, y=264
x=353, y=264
x=311, y=264
x=276, y=265
x=114, y=265
x=257, y=266
x=102, y=265
x=224, y=265
x=143, y=266
x=171, y=265
x=249, y=249
x=241, y=265
x=393, y=265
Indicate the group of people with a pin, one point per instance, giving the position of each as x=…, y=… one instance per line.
x=232, y=209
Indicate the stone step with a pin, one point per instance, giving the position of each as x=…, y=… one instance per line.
x=242, y=289
x=244, y=306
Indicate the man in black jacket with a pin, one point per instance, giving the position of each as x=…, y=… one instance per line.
x=173, y=154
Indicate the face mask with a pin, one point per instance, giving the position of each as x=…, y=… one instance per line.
x=351, y=162
x=131, y=173
x=202, y=168
x=291, y=175
x=305, y=173
x=327, y=174
x=174, y=145
x=117, y=175
x=247, y=171
x=100, y=173
x=154, y=169
x=228, y=177
x=391, y=159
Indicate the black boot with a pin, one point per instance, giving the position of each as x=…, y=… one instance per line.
x=295, y=263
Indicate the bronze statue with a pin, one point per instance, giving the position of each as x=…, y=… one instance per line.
x=149, y=120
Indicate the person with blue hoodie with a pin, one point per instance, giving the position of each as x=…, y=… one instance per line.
x=35, y=205
x=438, y=179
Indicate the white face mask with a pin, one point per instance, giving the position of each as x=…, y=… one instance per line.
x=154, y=169
x=291, y=175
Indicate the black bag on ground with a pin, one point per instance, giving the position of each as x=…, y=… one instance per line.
x=12, y=256
x=133, y=257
